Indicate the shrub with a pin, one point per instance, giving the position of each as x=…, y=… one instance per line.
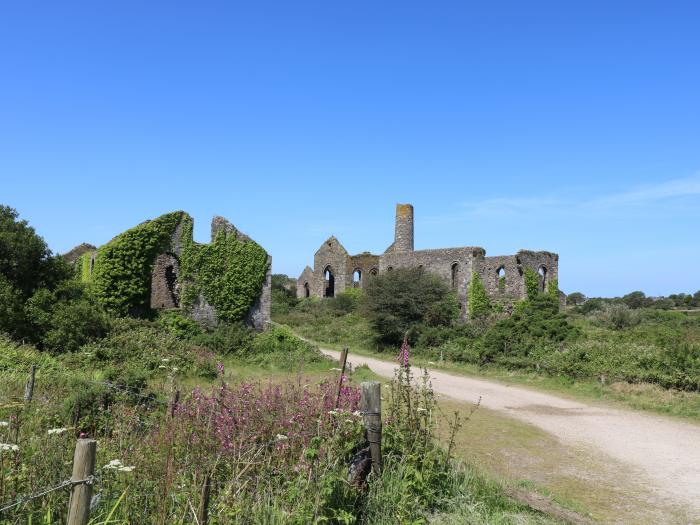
x=395, y=301
x=479, y=304
x=532, y=283
x=617, y=316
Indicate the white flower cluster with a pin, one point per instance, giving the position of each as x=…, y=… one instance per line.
x=4, y=424
x=281, y=437
x=115, y=464
x=7, y=446
x=57, y=431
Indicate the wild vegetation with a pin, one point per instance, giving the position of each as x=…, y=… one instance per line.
x=273, y=452
x=612, y=341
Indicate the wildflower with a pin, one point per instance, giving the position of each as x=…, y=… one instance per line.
x=220, y=368
x=4, y=424
x=162, y=366
x=281, y=437
x=7, y=446
x=404, y=353
x=421, y=409
x=357, y=413
x=126, y=469
x=175, y=369
x=165, y=360
x=57, y=430
x=349, y=421
x=334, y=369
x=114, y=464
x=333, y=412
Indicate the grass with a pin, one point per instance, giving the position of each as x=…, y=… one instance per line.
x=352, y=330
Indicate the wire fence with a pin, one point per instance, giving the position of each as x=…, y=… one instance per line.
x=41, y=493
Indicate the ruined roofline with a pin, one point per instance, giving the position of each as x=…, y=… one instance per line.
x=455, y=249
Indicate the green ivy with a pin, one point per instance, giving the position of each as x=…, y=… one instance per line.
x=228, y=273
x=479, y=304
x=532, y=283
x=553, y=289
x=83, y=267
x=122, y=273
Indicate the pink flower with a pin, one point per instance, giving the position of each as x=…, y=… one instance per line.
x=220, y=368
x=404, y=353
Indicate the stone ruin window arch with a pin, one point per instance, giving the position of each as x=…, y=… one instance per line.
x=374, y=272
x=454, y=275
x=307, y=291
x=542, y=272
x=165, y=291
x=357, y=278
x=329, y=282
x=501, y=279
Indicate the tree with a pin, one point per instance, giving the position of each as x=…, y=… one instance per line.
x=575, y=298
x=405, y=297
x=532, y=283
x=635, y=300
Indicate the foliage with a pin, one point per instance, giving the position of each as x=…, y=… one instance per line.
x=617, y=316
x=284, y=294
x=26, y=262
x=228, y=273
x=66, y=318
x=395, y=301
x=122, y=273
x=179, y=325
x=532, y=283
x=479, y=304
x=553, y=289
x=575, y=299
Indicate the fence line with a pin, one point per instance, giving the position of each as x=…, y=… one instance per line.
x=36, y=495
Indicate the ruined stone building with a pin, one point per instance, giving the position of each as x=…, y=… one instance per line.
x=503, y=276
x=143, y=270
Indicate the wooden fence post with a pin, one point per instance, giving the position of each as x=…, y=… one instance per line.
x=81, y=494
x=371, y=404
x=203, y=512
x=29, y=386
x=343, y=361
x=174, y=402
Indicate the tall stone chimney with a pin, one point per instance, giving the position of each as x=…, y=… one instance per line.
x=403, y=235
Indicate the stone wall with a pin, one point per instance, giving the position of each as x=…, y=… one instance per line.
x=165, y=286
x=503, y=276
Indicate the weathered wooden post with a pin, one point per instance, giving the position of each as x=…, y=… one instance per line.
x=29, y=386
x=203, y=512
x=343, y=361
x=174, y=402
x=371, y=405
x=81, y=493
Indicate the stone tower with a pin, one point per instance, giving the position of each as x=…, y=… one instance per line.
x=403, y=236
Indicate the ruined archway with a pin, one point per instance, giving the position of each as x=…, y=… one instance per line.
x=307, y=291
x=501, y=279
x=542, y=272
x=454, y=275
x=165, y=291
x=357, y=278
x=328, y=282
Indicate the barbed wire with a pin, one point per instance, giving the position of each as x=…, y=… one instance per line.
x=67, y=483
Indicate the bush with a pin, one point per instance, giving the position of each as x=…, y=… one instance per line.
x=617, y=316
x=479, y=304
x=536, y=322
x=66, y=318
x=397, y=300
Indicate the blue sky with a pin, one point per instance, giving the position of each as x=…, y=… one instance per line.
x=508, y=125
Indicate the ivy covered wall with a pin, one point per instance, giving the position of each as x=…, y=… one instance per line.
x=226, y=276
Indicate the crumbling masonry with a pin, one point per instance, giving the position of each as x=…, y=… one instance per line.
x=335, y=269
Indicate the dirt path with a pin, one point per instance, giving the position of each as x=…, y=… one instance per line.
x=663, y=453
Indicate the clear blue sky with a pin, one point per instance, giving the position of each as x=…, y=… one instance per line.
x=540, y=125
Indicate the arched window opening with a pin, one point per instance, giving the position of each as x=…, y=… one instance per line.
x=356, y=278
x=374, y=272
x=542, y=271
x=329, y=289
x=307, y=292
x=389, y=268
x=501, y=279
x=455, y=275
x=92, y=264
x=171, y=283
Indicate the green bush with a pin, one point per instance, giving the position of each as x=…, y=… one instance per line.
x=532, y=283
x=617, y=316
x=536, y=322
x=479, y=303
x=66, y=318
x=396, y=301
